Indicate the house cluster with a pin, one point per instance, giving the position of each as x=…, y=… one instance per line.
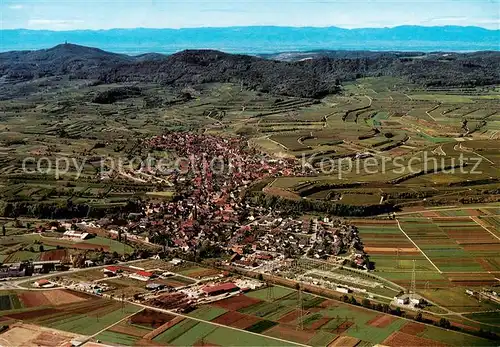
x=273, y=235
x=74, y=230
x=335, y=237
x=488, y=294
x=210, y=210
x=28, y=268
x=209, y=181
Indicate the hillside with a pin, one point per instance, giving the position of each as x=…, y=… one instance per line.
x=312, y=76
x=64, y=59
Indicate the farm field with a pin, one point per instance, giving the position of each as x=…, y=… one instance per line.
x=35, y=247
x=20, y=334
x=454, y=245
x=325, y=321
x=69, y=311
x=151, y=327
x=451, y=252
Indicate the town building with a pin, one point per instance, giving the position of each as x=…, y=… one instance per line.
x=141, y=275
x=343, y=290
x=43, y=283
x=218, y=289
x=111, y=271
x=76, y=234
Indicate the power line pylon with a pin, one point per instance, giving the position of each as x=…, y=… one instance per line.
x=300, y=309
x=413, y=287
x=123, y=301
x=270, y=292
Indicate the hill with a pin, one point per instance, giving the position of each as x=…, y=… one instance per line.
x=65, y=59
x=308, y=75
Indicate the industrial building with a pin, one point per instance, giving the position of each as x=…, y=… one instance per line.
x=218, y=289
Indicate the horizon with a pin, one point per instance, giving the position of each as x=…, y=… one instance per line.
x=160, y=14
x=258, y=26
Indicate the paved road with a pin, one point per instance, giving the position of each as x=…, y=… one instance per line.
x=417, y=247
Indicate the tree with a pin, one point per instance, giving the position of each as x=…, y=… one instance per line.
x=366, y=303
x=444, y=323
x=419, y=318
x=3, y=230
x=41, y=249
x=353, y=300
x=260, y=277
x=398, y=311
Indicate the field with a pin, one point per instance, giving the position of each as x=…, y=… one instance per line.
x=385, y=117
x=324, y=321
x=35, y=247
x=350, y=142
x=33, y=335
x=457, y=244
x=68, y=311
x=450, y=249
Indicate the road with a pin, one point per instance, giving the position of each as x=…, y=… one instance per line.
x=16, y=284
x=481, y=223
x=417, y=247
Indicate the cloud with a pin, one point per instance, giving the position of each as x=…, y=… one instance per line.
x=449, y=19
x=16, y=7
x=54, y=24
x=54, y=21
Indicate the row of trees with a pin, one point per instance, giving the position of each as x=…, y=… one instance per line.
x=296, y=207
x=65, y=210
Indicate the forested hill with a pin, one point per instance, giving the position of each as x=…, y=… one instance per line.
x=314, y=77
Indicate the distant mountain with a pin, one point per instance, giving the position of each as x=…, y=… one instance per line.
x=261, y=39
x=309, y=74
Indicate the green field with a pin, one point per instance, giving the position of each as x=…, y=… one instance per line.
x=278, y=292
x=207, y=312
x=116, y=338
x=113, y=245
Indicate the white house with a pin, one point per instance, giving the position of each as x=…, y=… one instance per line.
x=141, y=276
x=75, y=234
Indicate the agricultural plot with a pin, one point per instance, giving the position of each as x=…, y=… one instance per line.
x=20, y=334
x=110, y=244
x=325, y=322
x=10, y=302
x=392, y=254
x=493, y=222
x=188, y=332
x=69, y=311
x=454, y=245
x=196, y=272
x=456, y=299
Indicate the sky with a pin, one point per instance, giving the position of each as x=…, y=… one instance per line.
x=108, y=14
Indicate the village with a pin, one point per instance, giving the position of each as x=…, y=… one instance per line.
x=208, y=218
